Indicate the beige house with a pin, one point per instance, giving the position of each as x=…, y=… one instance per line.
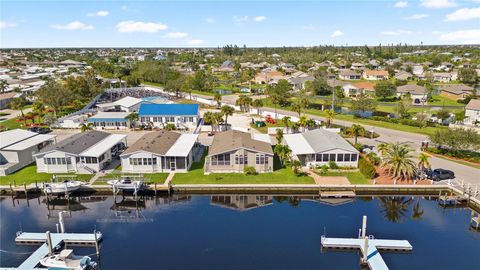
x=233, y=150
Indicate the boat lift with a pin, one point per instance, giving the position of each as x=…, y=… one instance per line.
x=49, y=241
x=368, y=246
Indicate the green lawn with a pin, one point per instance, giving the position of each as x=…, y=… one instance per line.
x=14, y=123
x=444, y=101
x=355, y=178
x=280, y=176
x=29, y=175
x=4, y=114
x=148, y=177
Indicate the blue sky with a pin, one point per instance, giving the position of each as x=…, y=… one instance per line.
x=254, y=23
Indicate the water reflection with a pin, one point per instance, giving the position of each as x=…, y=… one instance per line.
x=241, y=202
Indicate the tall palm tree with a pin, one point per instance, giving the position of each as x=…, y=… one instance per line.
x=3, y=86
x=209, y=118
x=227, y=111
x=423, y=163
x=133, y=118
x=330, y=114
x=283, y=152
x=279, y=136
x=286, y=121
x=356, y=130
x=398, y=160
x=258, y=103
x=86, y=127
x=218, y=99
x=18, y=104
x=303, y=121
x=218, y=118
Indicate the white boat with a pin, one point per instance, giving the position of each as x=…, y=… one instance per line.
x=67, y=260
x=62, y=187
x=126, y=183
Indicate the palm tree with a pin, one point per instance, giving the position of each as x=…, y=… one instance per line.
x=258, y=103
x=208, y=117
x=86, y=127
x=330, y=114
x=18, y=104
x=383, y=148
x=296, y=107
x=356, y=130
x=296, y=166
x=286, y=121
x=417, y=211
x=398, y=160
x=39, y=108
x=244, y=102
x=283, y=152
x=279, y=135
x=133, y=118
x=423, y=163
x=227, y=111
x=303, y=121
x=218, y=118
x=218, y=99
x=3, y=86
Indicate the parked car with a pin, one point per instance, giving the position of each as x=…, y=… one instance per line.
x=440, y=174
x=40, y=130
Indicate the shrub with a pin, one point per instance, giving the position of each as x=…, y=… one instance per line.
x=249, y=170
x=332, y=165
x=323, y=169
x=366, y=168
x=358, y=146
x=373, y=158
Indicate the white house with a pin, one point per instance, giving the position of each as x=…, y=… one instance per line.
x=158, y=115
x=160, y=151
x=319, y=146
x=375, y=75
x=86, y=152
x=126, y=104
x=17, y=147
x=110, y=120
x=417, y=93
x=472, y=112
x=348, y=74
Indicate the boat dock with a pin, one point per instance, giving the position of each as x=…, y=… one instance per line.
x=49, y=241
x=368, y=246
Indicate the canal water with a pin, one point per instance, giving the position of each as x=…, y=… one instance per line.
x=246, y=231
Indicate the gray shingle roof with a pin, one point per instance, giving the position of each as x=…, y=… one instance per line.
x=158, y=142
x=322, y=140
x=78, y=143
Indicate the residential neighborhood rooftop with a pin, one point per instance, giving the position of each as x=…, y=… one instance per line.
x=169, y=109
x=233, y=139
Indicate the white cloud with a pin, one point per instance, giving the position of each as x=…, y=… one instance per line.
x=209, y=20
x=75, y=25
x=337, y=33
x=240, y=18
x=137, y=26
x=260, y=18
x=401, y=4
x=437, y=3
x=101, y=13
x=463, y=14
x=195, y=42
x=471, y=36
x=396, y=32
x=175, y=35
x=4, y=24
x=416, y=17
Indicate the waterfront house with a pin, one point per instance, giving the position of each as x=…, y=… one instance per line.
x=110, y=120
x=159, y=115
x=472, y=112
x=319, y=146
x=375, y=75
x=347, y=74
x=417, y=93
x=160, y=151
x=231, y=151
x=86, y=152
x=455, y=91
x=17, y=147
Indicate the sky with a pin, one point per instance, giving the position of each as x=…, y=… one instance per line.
x=149, y=23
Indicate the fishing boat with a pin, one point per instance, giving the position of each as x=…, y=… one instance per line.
x=67, y=186
x=127, y=183
x=67, y=260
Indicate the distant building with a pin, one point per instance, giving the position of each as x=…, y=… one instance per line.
x=158, y=115
x=375, y=75
x=110, y=120
x=349, y=75
x=160, y=151
x=231, y=151
x=6, y=98
x=86, y=152
x=319, y=146
x=455, y=91
x=417, y=93
x=17, y=147
x=472, y=112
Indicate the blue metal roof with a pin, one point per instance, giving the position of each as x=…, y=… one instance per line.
x=168, y=109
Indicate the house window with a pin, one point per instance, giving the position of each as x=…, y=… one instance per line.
x=339, y=157
x=347, y=157
x=241, y=159
x=261, y=159
x=325, y=157
x=91, y=160
x=354, y=157
x=69, y=160
x=154, y=161
x=318, y=157
x=222, y=159
x=332, y=157
x=102, y=157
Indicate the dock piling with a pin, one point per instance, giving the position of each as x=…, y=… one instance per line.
x=49, y=243
x=62, y=223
